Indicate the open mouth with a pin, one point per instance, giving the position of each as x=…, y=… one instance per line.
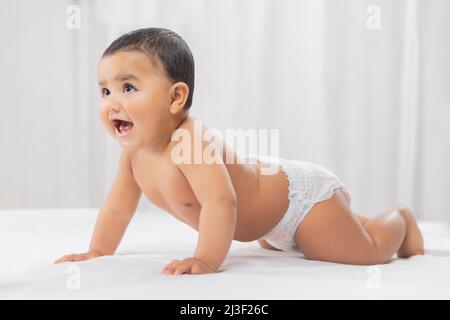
x=123, y=127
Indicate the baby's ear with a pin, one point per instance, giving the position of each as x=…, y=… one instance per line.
x=179, y=93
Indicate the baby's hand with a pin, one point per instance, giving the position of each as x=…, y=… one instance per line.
x=78, y=257
x=189, y=266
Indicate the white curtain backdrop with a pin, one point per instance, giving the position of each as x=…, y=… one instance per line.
x=371, y=104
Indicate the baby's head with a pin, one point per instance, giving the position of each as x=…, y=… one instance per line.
x=146, y=80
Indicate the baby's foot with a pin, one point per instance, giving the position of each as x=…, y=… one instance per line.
x=413, y=242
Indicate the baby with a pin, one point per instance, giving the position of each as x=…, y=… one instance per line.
x=146, y=80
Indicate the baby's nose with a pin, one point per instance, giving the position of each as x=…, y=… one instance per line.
x=114, y=106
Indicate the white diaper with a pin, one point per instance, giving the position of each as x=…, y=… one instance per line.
x=309, y=184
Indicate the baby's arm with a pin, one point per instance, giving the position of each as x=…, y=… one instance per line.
x=114, y=216
x=214, y=190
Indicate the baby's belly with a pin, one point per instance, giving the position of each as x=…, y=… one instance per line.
x=261, y=201
x=258, y=214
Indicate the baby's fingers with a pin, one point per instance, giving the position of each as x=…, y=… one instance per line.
x=183, y=268
x=65, y=258
x=71, y=258
x=170, y=268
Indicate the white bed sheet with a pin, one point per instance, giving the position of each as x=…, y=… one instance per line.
x=32, y=239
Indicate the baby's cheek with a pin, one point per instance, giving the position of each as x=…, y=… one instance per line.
x=107, y=124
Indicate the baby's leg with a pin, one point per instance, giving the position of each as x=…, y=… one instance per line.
x=331, y=232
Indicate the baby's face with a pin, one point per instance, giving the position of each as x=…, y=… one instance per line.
x=132, y=89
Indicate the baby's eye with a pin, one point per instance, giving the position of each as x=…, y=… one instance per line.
x=128, y=88
x=105, y=92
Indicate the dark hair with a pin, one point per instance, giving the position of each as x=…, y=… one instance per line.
x=167, y=47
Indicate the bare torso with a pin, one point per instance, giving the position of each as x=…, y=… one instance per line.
x=261, y=199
